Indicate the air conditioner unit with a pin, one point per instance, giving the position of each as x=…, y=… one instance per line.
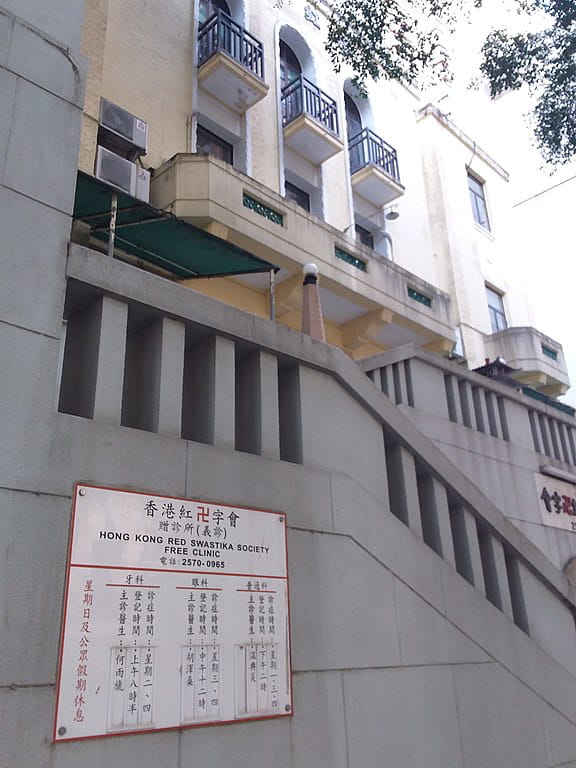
x=121, y=132
x=122, y=174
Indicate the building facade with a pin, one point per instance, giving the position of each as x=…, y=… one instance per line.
x=428, y=509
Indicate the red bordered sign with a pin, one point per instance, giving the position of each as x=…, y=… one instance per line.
x=176, y=614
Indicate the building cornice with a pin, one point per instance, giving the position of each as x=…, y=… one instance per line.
x=431, y=111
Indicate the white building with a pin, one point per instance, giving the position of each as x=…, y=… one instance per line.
x=300, y=168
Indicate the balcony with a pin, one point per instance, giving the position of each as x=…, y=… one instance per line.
x=369, y=303
x=310, y=120
x=539, y=357
x=231, y=63
x=374, y=168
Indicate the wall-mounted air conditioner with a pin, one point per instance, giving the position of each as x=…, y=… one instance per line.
x=122, y=174
x=121, y=132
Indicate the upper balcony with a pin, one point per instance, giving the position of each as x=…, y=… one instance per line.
x=231, y=63
x=310, y=120
x=539, y=357
x=374, y=168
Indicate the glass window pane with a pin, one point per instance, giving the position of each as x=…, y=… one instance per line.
x=478, y=201
x=365, y=236
x=353, y=119
x=290, y=68
x=208, y=8
x=297, y=195
x=496, y=310
x=213, y=145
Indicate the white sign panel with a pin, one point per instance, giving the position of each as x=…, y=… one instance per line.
x=176, y=614
x=557, y=501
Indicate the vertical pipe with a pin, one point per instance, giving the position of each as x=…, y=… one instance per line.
x=272, y=295
x=113, y=215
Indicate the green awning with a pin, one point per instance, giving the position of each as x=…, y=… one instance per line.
x=160, y=237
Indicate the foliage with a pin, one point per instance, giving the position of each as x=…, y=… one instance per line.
x=404, y=41
x=545, y=61
x=387, y=39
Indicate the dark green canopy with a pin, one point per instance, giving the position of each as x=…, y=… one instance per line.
x=160, y=237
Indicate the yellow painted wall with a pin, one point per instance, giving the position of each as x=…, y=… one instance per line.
x=141, y=57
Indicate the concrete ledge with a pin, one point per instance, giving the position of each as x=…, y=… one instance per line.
x=410, y=351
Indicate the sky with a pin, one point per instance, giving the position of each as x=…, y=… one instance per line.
x=544, y=199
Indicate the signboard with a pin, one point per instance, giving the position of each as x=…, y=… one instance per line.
x=557, y=501
x=176, y=614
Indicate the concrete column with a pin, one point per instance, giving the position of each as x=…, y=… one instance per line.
x=572, y=442
x=563, y=442
x=153, y=380
x=386, y=382
x=452, y=398
x=474, y=550
x=518, y=417
x=495, y=574
x=554, y=439
x=400, y=391
x=269, y=409
x=502, y=576
x=403, y=487
x=224, y=392
x=545, y=441
x=257, y=420
x=436, y=518
x=93, y=363
x=171, y=380
x=480, y=412
x=493, y=416
x=502, y=411
x=209, y=393
x=111, y=357
x=428, y=388
x=536, y=444
x=290, y=414
x=466, y=404
x=517, y=576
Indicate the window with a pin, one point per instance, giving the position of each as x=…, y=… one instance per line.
x=496, y=310
x=213, y=145
x=365, y=236
x=290, y=68
x=353, y=119
x=479, y=210
x=208, y=8
x=297, y=195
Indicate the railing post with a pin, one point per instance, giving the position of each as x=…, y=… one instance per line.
x=209, y=405
x=94, y=360
x=171, y=376
x=480, y=412
x=502, y=575
x=111, y=353
x=474, y=550
x=436, y=527
x=403, y=487
x=257, y=420
x=495, y=574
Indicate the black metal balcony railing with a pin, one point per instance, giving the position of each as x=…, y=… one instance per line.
x=221, y=33
x=366, y=147
x=303, y=97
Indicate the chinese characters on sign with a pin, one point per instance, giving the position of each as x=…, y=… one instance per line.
x=557, y=501
x=176, y=614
